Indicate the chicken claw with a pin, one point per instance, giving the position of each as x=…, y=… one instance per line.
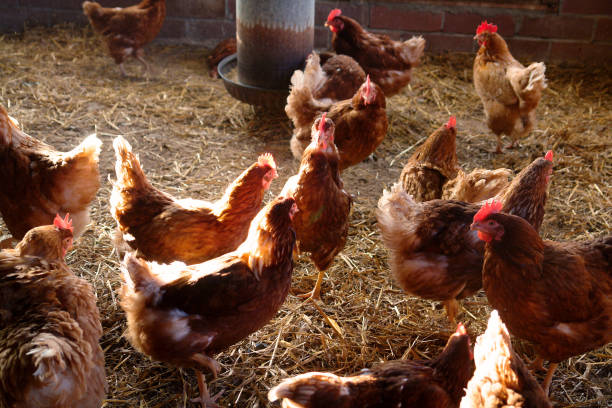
x=315, y=293
x=205, y=399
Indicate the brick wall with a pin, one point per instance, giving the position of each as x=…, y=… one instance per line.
x=559, y=30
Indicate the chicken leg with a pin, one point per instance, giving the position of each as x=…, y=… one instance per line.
x=548, y=379
x=205, y=399
x=139, y=55
x=452, y=308
x=315, y=293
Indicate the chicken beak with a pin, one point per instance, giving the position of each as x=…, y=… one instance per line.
x=326, y=24
x=474, y=226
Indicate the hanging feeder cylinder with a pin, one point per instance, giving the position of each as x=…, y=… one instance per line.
x=274, y=37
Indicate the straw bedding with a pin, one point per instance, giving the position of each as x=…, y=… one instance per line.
x=193, y=139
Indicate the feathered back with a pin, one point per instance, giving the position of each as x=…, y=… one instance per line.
x=501, y=378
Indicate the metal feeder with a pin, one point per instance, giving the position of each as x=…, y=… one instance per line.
x=274, y=37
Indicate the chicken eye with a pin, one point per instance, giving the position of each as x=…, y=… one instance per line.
x=491, y=222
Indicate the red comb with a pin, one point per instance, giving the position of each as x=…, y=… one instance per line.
x=484, y=26
x=461, y=329
x=489, y=208
x=65, y=223
x=549, y=156
x=333, y=14
x=368, y=87
x=266, y=159
x=322, y=123
x=452, y=122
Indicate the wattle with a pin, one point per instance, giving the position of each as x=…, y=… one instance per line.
x=484, y=236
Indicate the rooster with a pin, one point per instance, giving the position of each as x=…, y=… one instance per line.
x=38, y=181
x=501, y=378
x=361, y=122
x=49, y=326
x=322, y=223
x=432, y=164
x=184, y=315
x=127, y=30
x=433, y=254
x=165, y=229
x=558, y=295
x=438, y=383
x=388, y=62
x=509, y=92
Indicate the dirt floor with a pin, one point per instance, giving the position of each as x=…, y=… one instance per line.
x=193, y=139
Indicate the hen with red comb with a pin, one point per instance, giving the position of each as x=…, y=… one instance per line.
x=165, y=229
x=432, y=164
x=509, y=91
x=322, y=223
x=388, y=62
x=556, y=295
x=360, y=122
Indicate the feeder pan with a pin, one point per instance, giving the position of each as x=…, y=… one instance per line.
x=253, y=95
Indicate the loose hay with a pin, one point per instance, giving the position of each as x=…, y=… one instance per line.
x=193, y=139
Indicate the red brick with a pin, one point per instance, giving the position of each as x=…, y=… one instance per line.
x=196, y=9
x=359, y=12
x=437, y=42
x=604, y=29
x=466, y=23
x=580, y=51
x=578, y=28
x=587, y=6
x=401, y=19
x=528, y=50
x=173, y=28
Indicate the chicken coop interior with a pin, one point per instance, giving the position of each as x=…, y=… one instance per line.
x=193, y=139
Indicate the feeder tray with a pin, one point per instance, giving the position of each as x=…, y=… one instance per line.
x=253, y=95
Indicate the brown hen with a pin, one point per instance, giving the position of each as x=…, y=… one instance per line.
x=558, y=295
x=39, y=181
x=165, y=229
x=501, y=378
x=388, y=62
x=126, y=30
x=322, y=223
x=361, y=122
x=438, y=383
x=432, y=252
x=49, y=326
x=432, y=164
x=184, y=315
x=509, y=92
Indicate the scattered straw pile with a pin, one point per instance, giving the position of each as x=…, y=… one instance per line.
x=193, y=139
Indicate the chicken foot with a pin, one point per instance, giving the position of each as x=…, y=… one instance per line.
x=315, y=293
x=536, y=365
x=205, y=399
